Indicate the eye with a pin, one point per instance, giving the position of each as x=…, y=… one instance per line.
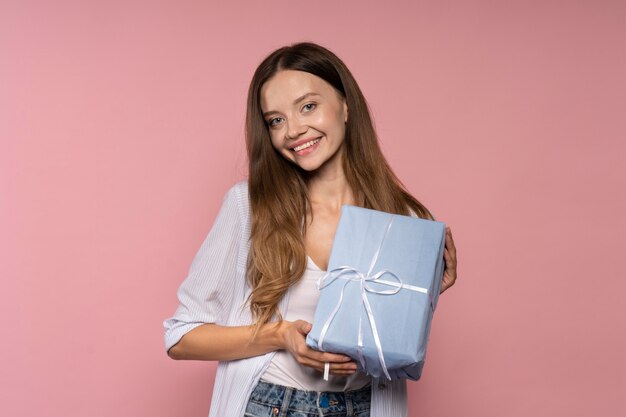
x=308, y=107
x=275, y=121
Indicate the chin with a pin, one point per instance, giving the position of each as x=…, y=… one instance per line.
x=307, y=165
x=309, y=168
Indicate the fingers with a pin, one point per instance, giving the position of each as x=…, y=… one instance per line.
x=323, y=357
x=303, y=327
x=449, y=255
x=449, y=252
x=347, y=368
x=342, y=372
x=306, y=356
x=339, y=364
x=450, y=242
x=445, y=284
x=335, y=368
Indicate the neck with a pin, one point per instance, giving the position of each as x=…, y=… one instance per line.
x=329, y=189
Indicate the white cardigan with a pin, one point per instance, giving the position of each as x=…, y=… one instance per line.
x=215, y=291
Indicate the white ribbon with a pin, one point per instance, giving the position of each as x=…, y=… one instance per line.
x=351, y=274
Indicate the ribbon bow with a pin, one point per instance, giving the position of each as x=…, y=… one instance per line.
x=351, y=274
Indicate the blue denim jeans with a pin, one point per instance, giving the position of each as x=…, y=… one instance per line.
x=271, y=400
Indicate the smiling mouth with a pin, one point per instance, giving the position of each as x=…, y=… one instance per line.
x=306, y=145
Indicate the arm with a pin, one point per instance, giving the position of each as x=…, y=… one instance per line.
x=206, y=296
x=214, y=342
x=234, y=342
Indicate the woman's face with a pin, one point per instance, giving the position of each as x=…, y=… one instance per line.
x=306, y=118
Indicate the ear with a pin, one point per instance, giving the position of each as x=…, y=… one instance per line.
x=345, y=111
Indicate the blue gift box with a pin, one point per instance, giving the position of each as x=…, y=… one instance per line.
x=381, y=289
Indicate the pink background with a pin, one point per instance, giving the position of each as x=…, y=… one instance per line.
x=121, y=127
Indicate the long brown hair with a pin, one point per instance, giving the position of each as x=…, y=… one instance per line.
x=278, y=188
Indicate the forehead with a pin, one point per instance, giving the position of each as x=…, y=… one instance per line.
x=288, y=85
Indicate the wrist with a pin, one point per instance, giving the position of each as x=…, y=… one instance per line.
x=273, y=335
x=280, y=333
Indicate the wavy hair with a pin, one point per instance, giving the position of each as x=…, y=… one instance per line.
x=278, y=188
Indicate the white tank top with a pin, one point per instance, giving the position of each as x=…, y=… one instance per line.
x=284, y=370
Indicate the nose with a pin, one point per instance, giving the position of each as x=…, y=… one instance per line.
x=295, y=128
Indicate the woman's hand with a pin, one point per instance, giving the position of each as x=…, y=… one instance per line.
x=294, y=335
x=449, y=255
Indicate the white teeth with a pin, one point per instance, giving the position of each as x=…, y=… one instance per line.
x=306, y=145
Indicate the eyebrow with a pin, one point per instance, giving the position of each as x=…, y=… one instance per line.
x=296, y=101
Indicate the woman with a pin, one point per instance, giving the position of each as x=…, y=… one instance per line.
x=250, y=295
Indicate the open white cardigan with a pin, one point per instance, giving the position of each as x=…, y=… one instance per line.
x=215, y=291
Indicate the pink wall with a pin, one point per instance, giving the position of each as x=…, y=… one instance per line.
x=121, y=126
